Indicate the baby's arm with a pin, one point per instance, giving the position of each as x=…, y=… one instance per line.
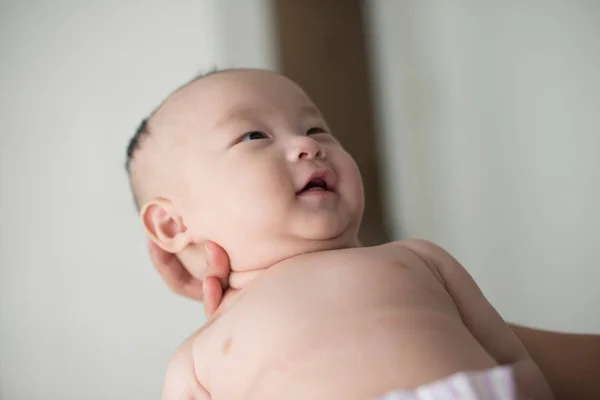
x=180, y=381
x=484, y=322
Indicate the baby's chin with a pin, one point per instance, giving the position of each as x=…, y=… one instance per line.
x=268, y=253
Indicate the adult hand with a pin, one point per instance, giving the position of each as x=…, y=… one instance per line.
x=181, y=281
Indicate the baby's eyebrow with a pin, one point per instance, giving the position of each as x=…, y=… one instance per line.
x=310, y=111
x=253, y=113
x=237, y=115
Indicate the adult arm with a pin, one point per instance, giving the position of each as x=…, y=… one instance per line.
x=570, y=362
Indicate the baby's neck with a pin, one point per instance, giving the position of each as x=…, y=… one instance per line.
x=239, y=281
x=271, y=251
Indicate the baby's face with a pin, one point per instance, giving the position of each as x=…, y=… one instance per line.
x=258, y=170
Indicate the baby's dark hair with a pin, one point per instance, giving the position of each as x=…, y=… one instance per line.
x=134, y=143
x=132, y=148
x=143, y=131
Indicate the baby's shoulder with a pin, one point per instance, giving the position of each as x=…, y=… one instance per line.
x=390, y=250
x=193, y=343
x=180, y=378
x=410, y=254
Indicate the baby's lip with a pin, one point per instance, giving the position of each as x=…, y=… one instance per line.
x=323, y=179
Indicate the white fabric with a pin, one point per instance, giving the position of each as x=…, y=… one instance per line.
x=493, y=384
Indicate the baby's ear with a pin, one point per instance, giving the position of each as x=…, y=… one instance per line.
x=165, y=226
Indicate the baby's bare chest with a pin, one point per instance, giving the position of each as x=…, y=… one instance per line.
x=327, y=286
x=313, y=299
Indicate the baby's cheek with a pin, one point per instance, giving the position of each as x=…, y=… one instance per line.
x=353, y=180
x=200, y=223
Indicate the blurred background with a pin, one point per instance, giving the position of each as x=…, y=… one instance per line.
x=476, y=125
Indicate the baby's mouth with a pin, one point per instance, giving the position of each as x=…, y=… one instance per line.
x=317, y=184
x=319, y=181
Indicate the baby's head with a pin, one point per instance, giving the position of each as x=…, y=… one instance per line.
x=245, y=159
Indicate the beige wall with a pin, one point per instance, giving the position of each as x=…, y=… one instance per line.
x=82, y=313
x=491, y=147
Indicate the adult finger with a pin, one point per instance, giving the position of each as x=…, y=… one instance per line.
x=218, y=263
x=213, y=294
x=177, y=278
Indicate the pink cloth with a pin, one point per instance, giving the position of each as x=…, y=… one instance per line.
x=493, y=384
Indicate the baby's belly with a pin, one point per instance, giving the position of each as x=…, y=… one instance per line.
x=336, y=329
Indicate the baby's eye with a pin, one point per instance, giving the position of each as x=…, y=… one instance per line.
x=253, y=136
x=315, y=130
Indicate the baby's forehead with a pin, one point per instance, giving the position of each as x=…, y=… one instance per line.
x=232, y=95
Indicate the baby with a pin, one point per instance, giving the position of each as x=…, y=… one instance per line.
x=245, y=159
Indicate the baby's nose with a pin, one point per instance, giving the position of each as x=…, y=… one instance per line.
x=305, y=148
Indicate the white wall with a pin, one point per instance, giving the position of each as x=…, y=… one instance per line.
x=491, y=123
x=82, y=313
